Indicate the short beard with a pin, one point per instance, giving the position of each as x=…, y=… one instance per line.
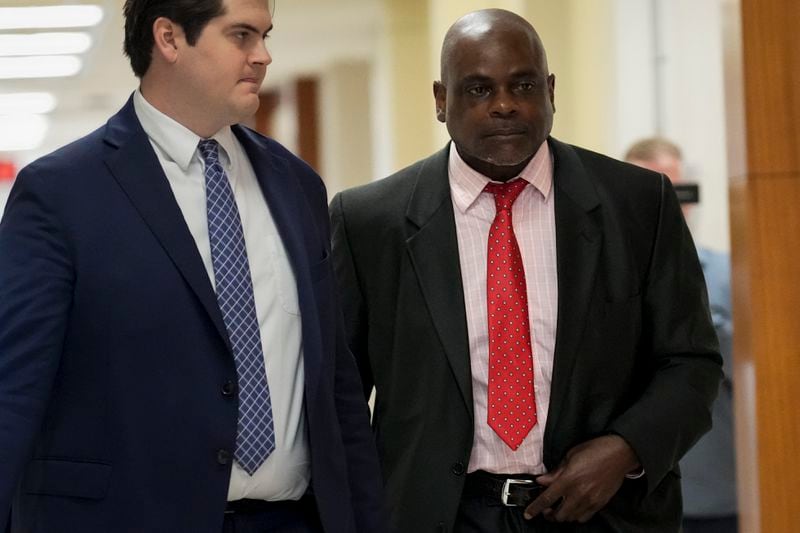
x=505, y=161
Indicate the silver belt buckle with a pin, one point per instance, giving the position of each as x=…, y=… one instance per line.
x=507, y=488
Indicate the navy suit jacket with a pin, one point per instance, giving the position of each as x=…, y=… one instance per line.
x=113, y=351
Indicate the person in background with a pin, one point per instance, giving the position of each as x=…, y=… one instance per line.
x=172, y=357
x=532, y=315
x=709, y=468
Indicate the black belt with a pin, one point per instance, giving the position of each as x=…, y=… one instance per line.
x=511, y=490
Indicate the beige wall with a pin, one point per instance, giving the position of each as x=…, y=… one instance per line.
x=409, y=83
x=579, y=42
x=346, y=153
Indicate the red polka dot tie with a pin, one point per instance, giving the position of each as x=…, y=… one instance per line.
x=512, y=407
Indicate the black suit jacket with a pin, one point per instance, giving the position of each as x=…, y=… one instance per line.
x=114, y=353
x=635, y=353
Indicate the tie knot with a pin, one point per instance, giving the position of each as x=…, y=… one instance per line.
x=209, y=149
x=505, y=193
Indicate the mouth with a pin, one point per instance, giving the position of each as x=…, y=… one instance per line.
x=506, y=133
x=252, y=85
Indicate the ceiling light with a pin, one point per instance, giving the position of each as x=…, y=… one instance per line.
x=39, y=67
x=76, y=16
x=22, y=132
x=36, y=103
x=43, y=44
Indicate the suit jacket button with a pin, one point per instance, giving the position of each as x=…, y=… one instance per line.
x=458, y=468
x=223, y=456
x=229, y=388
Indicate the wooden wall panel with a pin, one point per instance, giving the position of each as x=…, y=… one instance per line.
x=307, y=90
x=265, y=116
x=772, y=86
x=766, y=255
x=765, y=223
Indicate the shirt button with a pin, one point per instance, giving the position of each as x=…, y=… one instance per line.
x=458, y=468
x=223, y=456
x=228, y=388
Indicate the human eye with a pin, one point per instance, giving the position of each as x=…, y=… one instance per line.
x=241, y=35
x=477, y=90
x=526, y=86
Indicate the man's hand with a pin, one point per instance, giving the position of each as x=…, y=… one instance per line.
x=585, y=481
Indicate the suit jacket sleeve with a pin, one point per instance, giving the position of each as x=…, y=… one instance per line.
x=353, y=305
x=362, y=459
x=673, y=410
x=36, y=280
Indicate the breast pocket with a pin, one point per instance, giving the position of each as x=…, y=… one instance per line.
x=284, y=276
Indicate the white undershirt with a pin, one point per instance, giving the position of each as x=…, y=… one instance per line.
x=285, y=474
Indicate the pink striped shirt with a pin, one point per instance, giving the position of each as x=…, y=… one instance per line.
x=533, y=218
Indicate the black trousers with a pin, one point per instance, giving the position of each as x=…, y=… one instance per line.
x=723, y=524
x=250, y=516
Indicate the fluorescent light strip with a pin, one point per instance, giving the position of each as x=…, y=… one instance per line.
x=25, y=103
x=22, y=132
x=39, y=67
x=74, y=16
x=44, y=44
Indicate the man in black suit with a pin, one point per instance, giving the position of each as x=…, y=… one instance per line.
x=172, y=357
x=541, y=348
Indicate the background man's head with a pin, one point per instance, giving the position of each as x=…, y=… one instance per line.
x=495, y=94
x=660, y=155
x=657, y=154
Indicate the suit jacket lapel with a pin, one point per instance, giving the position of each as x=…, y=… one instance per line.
x=433, y=248
x=578, y=243
x=291, y=213
x=136, y=168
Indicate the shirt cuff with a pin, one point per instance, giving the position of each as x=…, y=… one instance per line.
x=636, y=474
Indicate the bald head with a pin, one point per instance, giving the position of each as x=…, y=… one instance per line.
x=496, y=95
x=488, y=24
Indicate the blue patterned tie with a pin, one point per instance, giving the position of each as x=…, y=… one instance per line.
x=255, y=436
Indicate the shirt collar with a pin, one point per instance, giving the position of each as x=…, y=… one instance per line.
x=177, y=142
x=467, y=184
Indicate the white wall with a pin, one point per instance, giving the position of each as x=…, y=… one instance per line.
x=670, y=82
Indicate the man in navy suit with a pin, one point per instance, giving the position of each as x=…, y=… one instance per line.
x=171, y=348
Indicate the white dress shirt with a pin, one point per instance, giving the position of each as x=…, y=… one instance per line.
x=286, y=472
x=533, y=218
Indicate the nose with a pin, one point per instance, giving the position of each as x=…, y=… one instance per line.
x=503, y=103
x=261, y=55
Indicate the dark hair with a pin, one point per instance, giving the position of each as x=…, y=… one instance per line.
x=191, y=15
